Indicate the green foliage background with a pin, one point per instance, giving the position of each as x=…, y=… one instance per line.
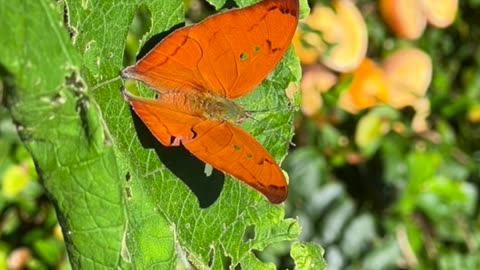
x=406, y=200
x=412, y=203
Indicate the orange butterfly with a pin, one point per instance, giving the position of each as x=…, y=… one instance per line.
x=198, y=70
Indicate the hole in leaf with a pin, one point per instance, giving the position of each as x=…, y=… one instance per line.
x=227, y=262
x=74, y=81
x=208, y=170
x=211, y=257
x=249, y=234
x=72, y=31
x=128, y=193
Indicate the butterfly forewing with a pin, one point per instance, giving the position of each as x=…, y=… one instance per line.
x=229, y=53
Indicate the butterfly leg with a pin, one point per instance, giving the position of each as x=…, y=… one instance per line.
x=176, y=141
x=179, y=140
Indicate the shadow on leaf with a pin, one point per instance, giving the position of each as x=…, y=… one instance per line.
x=184, y=165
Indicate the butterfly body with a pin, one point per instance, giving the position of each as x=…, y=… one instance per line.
x=217, y=108
x=199, y=70
x=199, y=106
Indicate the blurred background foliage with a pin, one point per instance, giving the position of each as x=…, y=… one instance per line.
x=384, y=185
x=30, y=237
x=383, y=175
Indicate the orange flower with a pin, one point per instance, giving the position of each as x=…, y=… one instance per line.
x=408, y=18
x=336, y=37
x=369, y=87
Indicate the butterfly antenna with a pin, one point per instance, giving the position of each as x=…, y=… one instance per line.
x=249, y=116
x=102, y=84
x=289, y=107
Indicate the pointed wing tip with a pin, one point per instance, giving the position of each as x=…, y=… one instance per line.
x=275, y=194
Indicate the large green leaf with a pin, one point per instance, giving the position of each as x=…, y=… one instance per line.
x=119, y=204
x=62, y=129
